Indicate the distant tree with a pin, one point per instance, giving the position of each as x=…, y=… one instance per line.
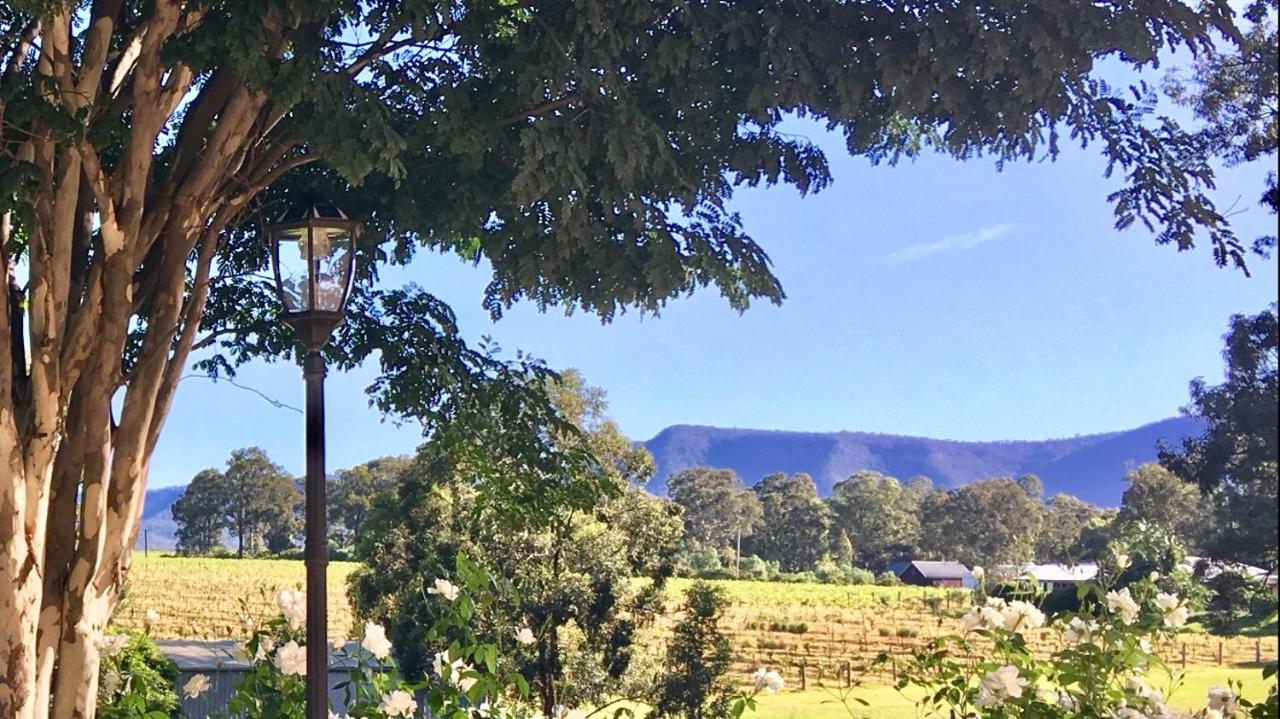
x=1065, y=521
x=1032, y=486
x=1163, y=499
x=881, y=517
x=351, y=493
x=694, y=684
x=716, y=505
x=262, y=498
x=794, y=523
x=989, y=523
x=842, y=548
x=1234, y=462
x=201, y=513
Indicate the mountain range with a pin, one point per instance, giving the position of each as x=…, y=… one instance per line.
x=1091, y=467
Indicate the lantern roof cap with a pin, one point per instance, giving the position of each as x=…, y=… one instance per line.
x=313, y=210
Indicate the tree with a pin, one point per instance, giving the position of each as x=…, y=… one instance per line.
x=1032, y=486
x=351, y=493
x=587, y=566
x=261, y=499
x=1163, y=499
x=989, y=523
x=881, y=517
x=842, y=548
x=1232, y=91
x=698, y=657
x=716, y=506
x=793, y=523
x=1066, y=520
x=201, y=513
x=1234, y=462
x=584, y=151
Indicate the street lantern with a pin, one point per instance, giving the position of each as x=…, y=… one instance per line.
x=313, y=254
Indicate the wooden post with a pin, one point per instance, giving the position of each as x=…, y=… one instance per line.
x=1184, y=655
x=1219, y=653
x=804, y=683
x=1257, y=651
x=895, y=668
x=848, y=674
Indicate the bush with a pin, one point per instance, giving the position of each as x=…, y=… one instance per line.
x=136, y=679
x=698, y=658
x=753, y=567
x=888, y=579
x=858, y=575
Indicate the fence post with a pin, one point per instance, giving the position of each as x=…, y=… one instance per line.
x=1219, y=653
x=1257, y=651
x=803, y=681
x=848, y=674
x=1184, y=655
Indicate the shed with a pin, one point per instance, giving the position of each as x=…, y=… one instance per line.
x=937, y=574
x=1060, y=576
x=224, y=662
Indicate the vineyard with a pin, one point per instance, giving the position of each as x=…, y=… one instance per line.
x=815, y=634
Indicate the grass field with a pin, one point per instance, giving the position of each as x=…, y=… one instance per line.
x=886, y=703
x=820, y=630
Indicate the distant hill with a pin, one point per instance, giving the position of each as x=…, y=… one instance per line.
x=1091, y=467
x=159, y=529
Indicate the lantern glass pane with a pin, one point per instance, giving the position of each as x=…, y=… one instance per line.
x=291, y=249
x=332, y=246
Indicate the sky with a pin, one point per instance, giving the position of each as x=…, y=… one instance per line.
x=935, y=298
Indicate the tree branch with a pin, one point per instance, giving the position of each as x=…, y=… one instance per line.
x=542, y=109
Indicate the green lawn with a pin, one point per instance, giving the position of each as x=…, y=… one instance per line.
x=886, y=703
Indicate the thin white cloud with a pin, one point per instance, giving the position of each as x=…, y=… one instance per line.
x=950, y=243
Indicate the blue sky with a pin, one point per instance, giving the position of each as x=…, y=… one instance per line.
x=935, y=298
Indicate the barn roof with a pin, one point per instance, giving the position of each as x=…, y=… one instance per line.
x=1061, y=573
x=941, y=570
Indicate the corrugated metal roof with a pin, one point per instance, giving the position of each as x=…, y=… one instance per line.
x=941, y=570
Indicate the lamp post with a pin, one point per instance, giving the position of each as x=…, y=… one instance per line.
x=313, y=254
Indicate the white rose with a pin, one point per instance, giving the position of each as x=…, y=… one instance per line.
x=1122, y=603
x=195, y=686
x=1080, y=630
x=1222, y=699
x=150, y=617
x=1123, y=561
x=1000, y=684
x=293, y=605
x=375, y=641
x=398, y=704
x=1022, y=616
x=113, y=644
x=292, y=659
x=524, y=635
x=773, y=682
x=445, y=588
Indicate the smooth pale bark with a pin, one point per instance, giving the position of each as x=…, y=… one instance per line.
x=110, y=246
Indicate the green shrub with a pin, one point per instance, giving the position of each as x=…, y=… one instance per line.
x=136, y=679
x=858, y=575
x=888, y=579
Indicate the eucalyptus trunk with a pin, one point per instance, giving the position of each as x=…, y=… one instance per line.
x=119, y=260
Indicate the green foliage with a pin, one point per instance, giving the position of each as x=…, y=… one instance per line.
x=350, y=494
x=1232, y=91
x=1235, y=461
x=201, y=513
x=136, y=680
x=467, y=674
x=753, y=567
x=572, y=566
x=717, y=509
x=1067, y=532
x=1163, y=499
x=988, y=523
x=880, y=516
x=794, y=522
x=254, y=498
x=695, y=685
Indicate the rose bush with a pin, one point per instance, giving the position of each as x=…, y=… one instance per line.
x=1103, y=665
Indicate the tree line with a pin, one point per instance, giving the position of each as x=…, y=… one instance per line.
x=1215, y=494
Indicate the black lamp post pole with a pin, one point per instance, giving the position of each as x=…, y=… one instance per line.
x=316, y=551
